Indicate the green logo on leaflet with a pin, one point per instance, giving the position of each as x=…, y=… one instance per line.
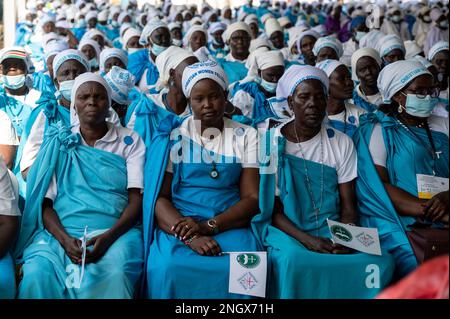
x=248, y=260
x=341, y=233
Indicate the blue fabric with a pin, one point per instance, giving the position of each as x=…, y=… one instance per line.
x=111, y=33
x=16, y=111
x=359, y=101
x=292, y=17
x=42, y=82
x=7, y=278
x=217, y=53
x=23, y=34
x=347, y=128
x=91, y=191
x=405, y=159
x=261, y=109
x=234, y=70
x=138, y=62
x=78, y=32
x=292, y=264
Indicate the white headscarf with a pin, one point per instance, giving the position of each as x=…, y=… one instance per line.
x=303, y=34
x=167, y=60
x=271, y=26
x=358, y=54
x=93, y=44
x=330, y=42
x=251, y=18
x=112, y=53
x=190, y=32
x=149, y=29
x=295, y=75
x=131, y=32
x=328, y=66
x=412, y=49
x=90, y=15
x=17, y=52
x=54, y=47
x=435, y=49
x=395, y=76
x=237, y=26
x=200, y=71
x=66, y=55
x=121, y=82
x=388, y=43
x=422, y=60
x=371, y=39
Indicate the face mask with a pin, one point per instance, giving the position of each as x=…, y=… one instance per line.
x=65, y=89
x=157, y=49
x=81, y=24
x=268, y=86
x=177, y=42
x=419, y=107
x=359, y=35
x=115, y=24
x=93, y=64
x=443, y=24
x=396, y=18
x=14, y=82
x=426, y=19
x=132, y=50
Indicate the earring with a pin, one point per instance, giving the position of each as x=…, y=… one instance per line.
x=400, y=109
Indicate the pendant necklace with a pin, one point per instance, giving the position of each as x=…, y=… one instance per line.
x=214, y=174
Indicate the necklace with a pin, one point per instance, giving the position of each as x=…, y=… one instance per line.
x=308, y=180
x=214, y=174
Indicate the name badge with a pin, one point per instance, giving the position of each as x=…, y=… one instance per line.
x=428, y=185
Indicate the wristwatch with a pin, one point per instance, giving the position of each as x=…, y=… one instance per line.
x=212, y=223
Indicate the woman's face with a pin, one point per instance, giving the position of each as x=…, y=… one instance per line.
x=306, y=46
x=277, y=39
x=272, y=74
x=309, y=103
x=367, y=71
x=208, y=102
x=176, y=34
x=218, y=37
x=92, y=22
x=394, y=56
x=255, y=29
x=91, y=103
x=161, y=37
x=13, y=67
x=440, y=61
x=127, y=19
x=341, y=84
x=69, y=70
x=109, y=63
x=422, y=85
x=99, y=39
x=198, y=40
x=49, y=27
x=227, y=14
x=326, y=53
x=134, y=43
x=240, y=43
x=89, y=52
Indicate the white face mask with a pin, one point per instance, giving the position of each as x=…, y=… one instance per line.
x=177, y=42
x=14, y=82
x=359, y=35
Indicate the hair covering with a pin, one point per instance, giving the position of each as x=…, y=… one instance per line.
x=45, y=19
x=121, y=82
x=390, y=42
x=112, y=53
x=303, y=34
x=124, y=28
x=63, y=24
x=422, y=60
x=435, y=49
x=328, y=66
x=149, y=28
x=269, y=59
x=92, y=33
x=54, y=47
x=122, y=16
x=48, y=37
x=330, y=42
x=66, y=55
x=371, y=39
x=208, y=15
x=174, y=25
x=358, y=54
x=271, y=26
x=131, y=32
x=17, y=52
x=191, y=31
x=395, y=76
x=216, y=26
x=266, y=17
x=92, y=43
x=79, y=81
x=435, y=14
x=251, y=64
x=258, y=43
x=200, y=71
x=237, y=26
x=295, y=75
x=103, y=15
x=284, y=21
x=357, y=21
x=167, y=60
x=412, y=49
x=90, y=15
x=251, y=18
x=113, y=12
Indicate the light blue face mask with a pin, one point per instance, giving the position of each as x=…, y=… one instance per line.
x=157, y=49
x=396, y=18
x=420, y=107
x=177, y=42
x=359, y=35
x=14, y=82
x=65, y=89
x=115, y=24
x=93, y=64
x=268, y=86
x=81, y=24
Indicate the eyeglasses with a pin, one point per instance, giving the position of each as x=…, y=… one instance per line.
x=434, y=93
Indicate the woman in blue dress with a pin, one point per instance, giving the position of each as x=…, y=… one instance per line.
x=85, y=191
x=396, y=151
x=204, y=207
x=308, y=177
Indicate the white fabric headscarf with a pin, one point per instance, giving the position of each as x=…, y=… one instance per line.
x=395, y=76
x=422, y=60
x=388, y=43
x=295, y=75
x=112, y=53
x=167, y=60
x=251, y=18
x=48, y=37
x=200, y=71
x=54, y=47
x=121, y=82
x=271, y=26
x=358, y=54
x=149, y=29
x=190, y=32
x=216, y=26
x=66, y=55
x=237, y=26
x=435, y=49
x=93, y=44
x=122, y=16
x=328, y=66
x=261, y=59
x=90, y=15
x=330, y=42
x=371, y=39
x=303, y=34
x=412, y=49
x=131, y=32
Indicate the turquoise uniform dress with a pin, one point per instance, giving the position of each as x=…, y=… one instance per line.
x=406, y=157
x=296, y=271
x=7, y=278
x=175, y=270
x=92, y=192
x=359, y=101
x=234, y=70
x=138, y=62
x=42, y=82
x=23, y=34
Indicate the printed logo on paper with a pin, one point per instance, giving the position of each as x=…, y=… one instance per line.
x=248, y=281
x=341, y=233
x=248, y=260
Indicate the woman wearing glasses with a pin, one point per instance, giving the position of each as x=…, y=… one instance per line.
x=398, y=154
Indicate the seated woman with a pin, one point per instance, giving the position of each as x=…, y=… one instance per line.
x=216, y=44
x=366, y=65
x=358, y=29
x=342, y=115
x=203, y=208
x=310, y=178
x=395, y=150
x=237, y=36
x=251, y=97
x=438, y=55
x=112, y=57
x=305, y=44
x=391, y=49
x=87, y=180
x=91, y=51
x=9, y=225
x=327, y=48
x=8, y=140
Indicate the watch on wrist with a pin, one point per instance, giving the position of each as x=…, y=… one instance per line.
x=212, y=223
